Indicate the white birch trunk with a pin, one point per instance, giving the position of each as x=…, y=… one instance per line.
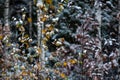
x=99, y=19
x=30, y=15
x=119, y=34
x=40, y=27
x=6, y=13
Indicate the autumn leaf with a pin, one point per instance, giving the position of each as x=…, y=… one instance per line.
x=58, y=64
x=50, y=27
x=39, y=50
x=44, y=40
x=43, y=19
x=47, y=78
x=21, y=77
x=24, y=73
x=65, y=64
x=57, y=72
x=58, y=43
x=44, y=31
x=38, y=66
x=48, y=1
x=73, y=61
x=29, y=20
x=21, y=28
x=61, y=39
x=62, y=75
x=26, y=36
x=27, y=45
x=1, y=37
x=23, y=67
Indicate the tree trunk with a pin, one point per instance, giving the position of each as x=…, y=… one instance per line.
x=119, y=33
x=6, y=13
x=40, y=27
x=30, y=16
x=99, y=19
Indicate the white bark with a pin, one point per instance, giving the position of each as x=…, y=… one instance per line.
x=30, y=15
x=6, y=16
x=40, y=27
x=99, y=19
x=119, y=33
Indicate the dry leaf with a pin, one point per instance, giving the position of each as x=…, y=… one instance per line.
x=65, y=64
x=39, y=50
x=24, y=73
x=21, y=28
x=29, y=20
x=44, y=31
x=73, y=61
x=50, y=27
x=62, y=75
x=49, y=1
x=1, y=36
x=43, y=19
x=47, y=78
x=23, y=67
x=61, y=39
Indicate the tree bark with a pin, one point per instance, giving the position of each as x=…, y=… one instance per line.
x=30, y=15
x=40, y=27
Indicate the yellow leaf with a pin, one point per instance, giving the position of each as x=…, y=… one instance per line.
x=39, y=50
x=62, y=75
x=29, y=20
x=44, y=31
x=44, y=40
x=39, y=66
x=56, y=71
x=50, y=27
x=58, y=43
x=31, y=74
x=49, y=1
x=73, y=61
x=27, y=45
x=22, y=40
x=9, y=44
x=26, y=35
x=58, y=64
x=24, y=73
x=1, y=37
x=23, y=67
x=65, y=64
x=21, y=28
x=61, y=39
x=47, y=78
x=21, y=78
x=43, y=19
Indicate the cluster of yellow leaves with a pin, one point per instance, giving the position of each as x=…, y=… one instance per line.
x=43, y=18
x=62, y=75
x=47, y=32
